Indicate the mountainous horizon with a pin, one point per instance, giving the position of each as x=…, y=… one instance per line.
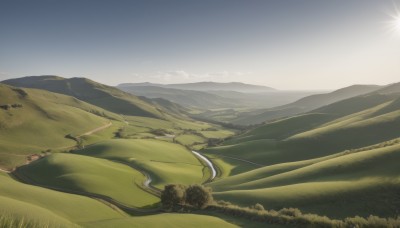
x=208, y=86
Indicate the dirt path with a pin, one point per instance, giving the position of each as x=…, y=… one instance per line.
x=96, y=130
x=239, y=159
x=3, y=170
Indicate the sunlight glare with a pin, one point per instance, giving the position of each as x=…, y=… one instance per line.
x=397, y=23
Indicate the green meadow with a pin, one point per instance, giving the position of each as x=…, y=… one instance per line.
x=165, y=162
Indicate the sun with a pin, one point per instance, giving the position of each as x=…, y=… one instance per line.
x=393, y=24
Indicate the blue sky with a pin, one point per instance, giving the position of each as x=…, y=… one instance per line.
x=286, y=44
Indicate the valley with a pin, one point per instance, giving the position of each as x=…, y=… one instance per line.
x=338, y=159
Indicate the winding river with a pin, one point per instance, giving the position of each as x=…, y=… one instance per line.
x=209, y=163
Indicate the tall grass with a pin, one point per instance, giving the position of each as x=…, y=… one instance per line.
x=8, y=220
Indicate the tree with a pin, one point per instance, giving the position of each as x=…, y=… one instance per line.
x=173, y=194
x=198, y=196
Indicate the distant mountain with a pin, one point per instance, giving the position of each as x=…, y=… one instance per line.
x=214, y=99
x=187, y=98
x=208, y=86
x=389, y=89
x=107, y=97
x=305, y=104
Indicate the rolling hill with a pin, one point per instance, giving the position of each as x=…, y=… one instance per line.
x=33, y=121
x=303, y=105
x=165, y=162
x=348, y=124
x=360, y=183
x=339, y=160
x=75, y=173
x=107, y=97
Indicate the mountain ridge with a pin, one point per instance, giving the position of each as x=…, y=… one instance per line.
x=208, y=86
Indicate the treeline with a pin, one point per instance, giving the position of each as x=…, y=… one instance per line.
x=372, y=147
x=295, y=218
x=181, y=198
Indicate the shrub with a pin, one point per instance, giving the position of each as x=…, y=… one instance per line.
x=259, y=207
x=172, y=195
x=198, y=196
x=5, y=107
x=293, y=212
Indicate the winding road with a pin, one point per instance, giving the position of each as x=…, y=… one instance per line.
x=208, y=162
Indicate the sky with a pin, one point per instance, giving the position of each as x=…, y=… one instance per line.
x=285, y=44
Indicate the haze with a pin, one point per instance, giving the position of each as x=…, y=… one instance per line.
x=293, y=44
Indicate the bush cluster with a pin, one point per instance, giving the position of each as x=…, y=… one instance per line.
x=196, y=196
x=9, y=106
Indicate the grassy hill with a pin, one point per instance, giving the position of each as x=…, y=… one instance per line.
x=31, y=202
x=107, y=97
x=165, y=162
x=361, y=183
x=77, y=173
x=44, y=207
x=40, y=121
x=305, y=104
x=348, y=124
x=338, y=160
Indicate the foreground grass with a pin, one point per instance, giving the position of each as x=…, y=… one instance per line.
x=14, y=220
x=164, y=220
x=47, y=205
x=40, y=207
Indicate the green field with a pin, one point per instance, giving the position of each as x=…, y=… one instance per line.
x=78, y=173
x=165, y=162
